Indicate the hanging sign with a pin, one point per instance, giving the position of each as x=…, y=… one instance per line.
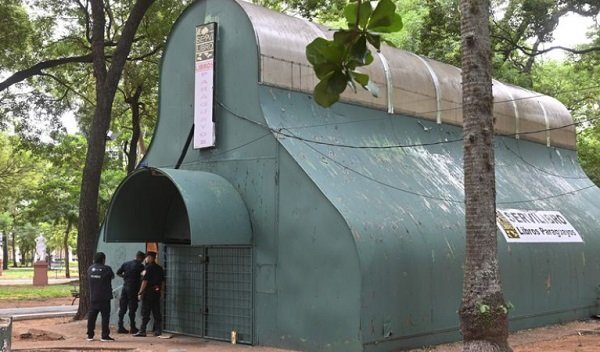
x=204, y=125
x=535, y=226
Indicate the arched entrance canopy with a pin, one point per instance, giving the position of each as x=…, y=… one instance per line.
x=177, y=206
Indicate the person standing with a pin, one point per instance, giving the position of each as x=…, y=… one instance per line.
x=131, y=272
x=150, y=293
x=99, y=277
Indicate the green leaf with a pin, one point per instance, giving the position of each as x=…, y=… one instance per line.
x=359, y=51
x=351, y=10
x=345, y=37
x=374, y=39
x=321, y=51
x=350, y=14
x=368, y=58
x=384, y=18
x=361, y=78
x=323, y=70
x=329, y=89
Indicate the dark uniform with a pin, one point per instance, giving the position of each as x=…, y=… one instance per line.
x=99, y=277
x=155, y=276
x=131, y=272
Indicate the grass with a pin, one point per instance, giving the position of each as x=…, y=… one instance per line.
x=27, y=273
x=27, y=292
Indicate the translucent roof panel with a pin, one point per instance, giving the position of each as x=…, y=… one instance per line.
x=408, y=84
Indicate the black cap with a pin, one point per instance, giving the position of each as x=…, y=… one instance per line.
x=140, y=254
x=151, y=254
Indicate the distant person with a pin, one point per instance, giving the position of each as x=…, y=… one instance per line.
x=150, y=293
x=131, y=272
x=99, y=276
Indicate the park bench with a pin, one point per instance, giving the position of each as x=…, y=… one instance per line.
x=74, y=294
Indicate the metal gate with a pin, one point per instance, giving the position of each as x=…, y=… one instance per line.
x=209, y=292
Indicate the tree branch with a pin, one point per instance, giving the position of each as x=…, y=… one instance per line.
x=87, y=19
x=68, y=87
x=143, y=56
x=36, y=69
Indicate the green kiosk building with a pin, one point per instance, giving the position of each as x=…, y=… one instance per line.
x=341, y=229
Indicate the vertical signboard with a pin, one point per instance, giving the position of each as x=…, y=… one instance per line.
x=204, y=125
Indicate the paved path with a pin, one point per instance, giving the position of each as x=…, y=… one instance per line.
x=38, y=312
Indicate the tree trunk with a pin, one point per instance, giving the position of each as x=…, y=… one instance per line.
x=66, y=248
x=107, y=81
x=483, y=313
x=14, y=249
x=134, y=104
x=4, y=252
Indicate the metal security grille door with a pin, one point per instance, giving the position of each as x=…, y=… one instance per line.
x=209, y=292
x=229, y=294
x=184, y=292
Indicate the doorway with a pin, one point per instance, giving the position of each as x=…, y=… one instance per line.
x=208, y=292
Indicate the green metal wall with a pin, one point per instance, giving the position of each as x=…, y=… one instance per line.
x=348, y=253
x=405, y=212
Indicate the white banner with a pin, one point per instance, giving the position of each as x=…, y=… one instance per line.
x=204, y=125
x=535, y=226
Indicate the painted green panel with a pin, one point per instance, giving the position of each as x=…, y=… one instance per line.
x=204, y=205
x=318, y=275
x=235, y=89
x=404, y=208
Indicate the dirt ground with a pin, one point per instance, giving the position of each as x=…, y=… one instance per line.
x=15, y=303
x=64, y=334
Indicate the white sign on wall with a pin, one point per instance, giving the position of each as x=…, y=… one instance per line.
x=204, y=124
x=535, y=226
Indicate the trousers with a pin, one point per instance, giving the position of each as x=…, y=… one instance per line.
x=103, y=308
x=151, y=304
x=128, y=302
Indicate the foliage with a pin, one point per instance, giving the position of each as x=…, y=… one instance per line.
x=14, y=24
x=335, y=61
x=325, y=10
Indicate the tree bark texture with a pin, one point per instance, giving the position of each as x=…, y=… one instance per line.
x=14, y=249
x=134, y=104
x=483, y=313
x=66, y=247
x=107, y=80
x=4, y=252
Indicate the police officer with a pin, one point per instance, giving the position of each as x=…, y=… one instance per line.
x=150, y=293
x=99, y=276
x=131, y=272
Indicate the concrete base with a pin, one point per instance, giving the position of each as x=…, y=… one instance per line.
x=40, y=273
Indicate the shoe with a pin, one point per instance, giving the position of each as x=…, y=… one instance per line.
x=133, y=331
x=122, y=330
x=140, y=334
x=157, y=333
x=107, y=338
x=90, y=338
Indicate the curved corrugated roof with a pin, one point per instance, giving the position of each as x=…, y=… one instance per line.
x=409, y=84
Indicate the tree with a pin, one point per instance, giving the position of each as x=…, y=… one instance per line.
x=57, y=196
x=98, y=39
x=107, y=80
x=483, y=312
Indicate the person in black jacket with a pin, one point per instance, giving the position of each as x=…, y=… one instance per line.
x=150, y=292
x=131, y=272
x=99, y=277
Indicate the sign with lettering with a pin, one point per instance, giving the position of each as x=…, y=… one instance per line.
x=535, y=226
x=204, y=124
